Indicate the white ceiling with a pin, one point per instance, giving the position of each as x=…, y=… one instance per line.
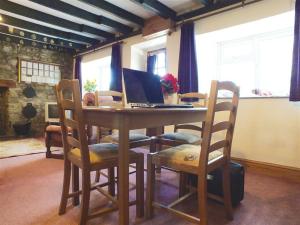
x=180, y=6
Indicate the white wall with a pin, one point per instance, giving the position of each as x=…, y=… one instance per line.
x=267, y=130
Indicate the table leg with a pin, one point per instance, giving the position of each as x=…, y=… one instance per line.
x=154, y=131
x=123, y=171
x=75, y=184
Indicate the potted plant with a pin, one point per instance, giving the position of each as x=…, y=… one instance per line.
x=169, y=85
x=89, y=87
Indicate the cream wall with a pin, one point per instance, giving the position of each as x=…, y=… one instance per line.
x=267, y=130
x=96, y=55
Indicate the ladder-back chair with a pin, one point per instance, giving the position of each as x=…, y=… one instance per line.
x=179, y=137
x=200, y=160
x=116, y=99
x=88, y=157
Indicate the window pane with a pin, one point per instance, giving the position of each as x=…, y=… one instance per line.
x=237, y=50
x=161, y=71
x=160, y=65
x=256, y=55
x=98, y=70
x=242, y=74
x=275, y=65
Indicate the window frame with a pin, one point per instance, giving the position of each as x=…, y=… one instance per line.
x=156, y=52
x=102, y=65
x=254, y=40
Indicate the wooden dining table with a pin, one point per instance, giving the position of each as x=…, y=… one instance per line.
x=126, y=119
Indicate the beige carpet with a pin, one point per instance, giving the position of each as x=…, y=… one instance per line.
x=17, y=147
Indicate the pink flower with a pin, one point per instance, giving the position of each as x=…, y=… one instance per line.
x=169, y=84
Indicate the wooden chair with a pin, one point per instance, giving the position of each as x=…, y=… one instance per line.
x=178, y=137
x=53, y=138
x=107, y=98
x=200, y=160
x=89, y=158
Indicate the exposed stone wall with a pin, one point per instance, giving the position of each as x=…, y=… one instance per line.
x=9, y=52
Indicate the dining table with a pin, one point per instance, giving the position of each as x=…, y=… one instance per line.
x=125, y=119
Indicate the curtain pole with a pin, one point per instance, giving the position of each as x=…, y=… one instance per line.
x=99, y=48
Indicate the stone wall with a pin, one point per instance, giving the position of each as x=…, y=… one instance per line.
x=9, y=53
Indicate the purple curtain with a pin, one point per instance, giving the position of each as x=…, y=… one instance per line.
x=187, y=70
x=77, y=71
x=116, y=68
x=295, y=79
x=151, y=61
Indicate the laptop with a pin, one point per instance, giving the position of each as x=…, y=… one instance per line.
x=143, y=89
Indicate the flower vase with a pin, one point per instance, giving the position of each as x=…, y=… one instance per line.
x=168, y=98
x=89, y=99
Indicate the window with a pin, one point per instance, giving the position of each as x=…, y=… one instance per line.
x=98, y=70
x=160, y=65
x=257, y=56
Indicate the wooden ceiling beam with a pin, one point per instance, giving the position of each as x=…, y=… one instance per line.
x=115, y=10
x=22, y=24
x=22, y=34
x=26, y=42
x=209, y=8
x=205, y=2
x=83, y=14
x=158, y=8
x=49, y=19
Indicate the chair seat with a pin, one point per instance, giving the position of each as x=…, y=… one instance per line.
x=183, y=157
x=55, y=129
x=100, y=154
x=185, y=138
x=114, y=138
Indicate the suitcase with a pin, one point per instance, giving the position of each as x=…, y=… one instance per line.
x=214, y=182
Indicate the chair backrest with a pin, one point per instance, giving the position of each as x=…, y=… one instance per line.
x=69, y=103
x=230, y=105
x=201, y=101
x=109, y=98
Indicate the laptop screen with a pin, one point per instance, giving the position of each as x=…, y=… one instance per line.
x=142, y=87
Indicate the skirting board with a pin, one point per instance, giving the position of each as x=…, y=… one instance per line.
x=285, y=172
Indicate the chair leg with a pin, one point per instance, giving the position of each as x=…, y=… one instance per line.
x=97, y=176
x=75, y=184
x=202, y=198
x=48, y=144
x=48, y=152
x=150, y=187
x=111, y=180
x=140, y=186
x=66, y=187
x=158, y=167
x=227, y=191
x=98, y=135
x=86, y=188
x=154, y=148
x=183, y=178
x=118, y=187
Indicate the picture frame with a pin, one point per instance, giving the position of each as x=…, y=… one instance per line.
x=37, y=71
